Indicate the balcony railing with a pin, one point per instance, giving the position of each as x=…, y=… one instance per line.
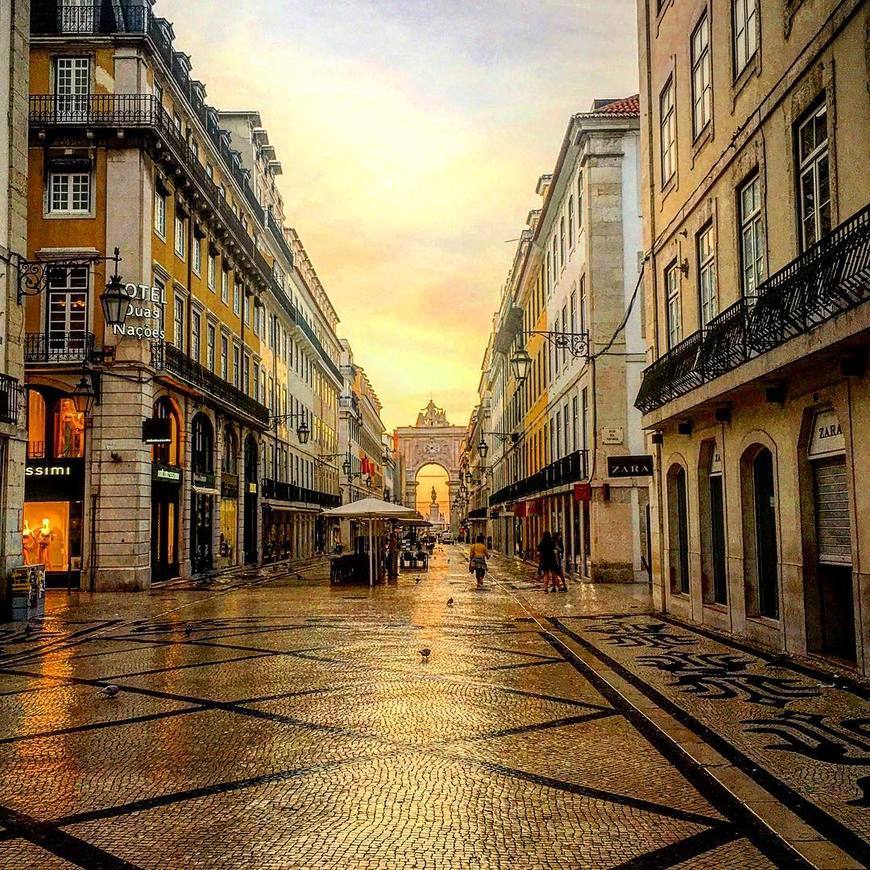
x=831, y=277
x=10, y=393
x=569, y=469
x=168, y=358
x=290, y=492
x=58, y=347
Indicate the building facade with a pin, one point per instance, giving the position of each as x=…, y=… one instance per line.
x=757, y=399
x=570, y=308
x=211, y=405
x=14, y=76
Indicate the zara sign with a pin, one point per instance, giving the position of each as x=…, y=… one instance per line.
x=630, y=466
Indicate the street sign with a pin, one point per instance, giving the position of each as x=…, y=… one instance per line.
x=630, y=466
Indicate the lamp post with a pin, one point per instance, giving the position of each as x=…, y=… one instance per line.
x=83, y=396
x=303, y=432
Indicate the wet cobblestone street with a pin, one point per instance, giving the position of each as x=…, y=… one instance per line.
x=281, y=723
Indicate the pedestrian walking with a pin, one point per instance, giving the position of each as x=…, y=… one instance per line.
x=559, y=545
x=477, y=560
x=547, y=561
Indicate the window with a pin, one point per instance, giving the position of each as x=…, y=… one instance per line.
x=584, y=306
x=571, y=222
x=584, y=411
x=702, y=88
x=745, y=33
x=237, y=367
x=195, y=333
x=758, y=485
x=209, y=170
x=225, y=287
x=562, y=241
x=707, y=275
x=566, y=422
x=574, y=423
x=196, y=256
x=67, y=312
x=579, y=202
x=246, y=376
x=555, y=256
x=751, y=235
x=72, y=86
x=168, y=454
x=178, y=322
x=159, y=214
x=668, y=132
x=814, y=190
x=557, y=431
x=225, y=344
x=179, y=234
x=210, y=346
x=177, y=121
x=69, y=192
x=202, y=442
x=672, y=297
x=237, y=298
x=210, y=266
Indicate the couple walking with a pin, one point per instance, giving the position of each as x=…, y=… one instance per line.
x=550, y=551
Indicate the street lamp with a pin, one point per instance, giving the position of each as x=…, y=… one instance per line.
x=521, y=364
x=482, y=448
x=83, y=396
x=303, y=432
x=114, y=299
x=346, y=467
x=368, y=481
x=386, y=494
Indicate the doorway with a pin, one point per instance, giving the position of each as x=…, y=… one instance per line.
x=251, y=500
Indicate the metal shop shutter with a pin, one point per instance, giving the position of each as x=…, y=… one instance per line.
x=833, y=532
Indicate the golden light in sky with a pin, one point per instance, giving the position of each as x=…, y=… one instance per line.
x=412, y=134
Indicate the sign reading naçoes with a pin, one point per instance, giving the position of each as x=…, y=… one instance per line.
x=146, y=303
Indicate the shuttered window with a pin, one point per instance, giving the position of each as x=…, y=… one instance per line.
x=833, y=533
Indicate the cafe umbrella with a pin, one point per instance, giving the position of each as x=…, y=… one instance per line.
x=371, y=509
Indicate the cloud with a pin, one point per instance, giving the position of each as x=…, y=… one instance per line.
x=412, y=133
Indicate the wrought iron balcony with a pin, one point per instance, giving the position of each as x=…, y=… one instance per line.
x=167, y=358
x=58, y=347
x=569, y=469
x=831, y=277
x=10, y=393
x=290, y=492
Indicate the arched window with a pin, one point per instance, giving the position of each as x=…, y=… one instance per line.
x=168, y=454
x=678, y=529
x=202, y=438
x=230, y=454
x=759, y=532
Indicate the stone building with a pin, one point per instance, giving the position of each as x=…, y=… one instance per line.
x=566, y=356
x=187, y=439
x=14, y=75
x=755, y=128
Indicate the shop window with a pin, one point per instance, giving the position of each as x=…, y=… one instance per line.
x=203, y=445
x=758, y=491
x=168, y=454
x=51, y=535
x=678, y=530
x=69, y=430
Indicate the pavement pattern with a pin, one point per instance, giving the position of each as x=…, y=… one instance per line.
x=271, y=721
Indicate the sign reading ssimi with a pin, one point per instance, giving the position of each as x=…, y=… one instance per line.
x=146, y=304
x=630, y=466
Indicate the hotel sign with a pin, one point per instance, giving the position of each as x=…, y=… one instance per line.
x=146, y=305
x=630, y=466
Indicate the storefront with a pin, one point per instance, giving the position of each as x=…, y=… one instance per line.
x=203, y=495
x=251, y=499
x=166, y=480
x=229, y=506
x=54, y=486
x=833, y=610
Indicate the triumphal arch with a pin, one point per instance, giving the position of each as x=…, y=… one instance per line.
x=431, y=441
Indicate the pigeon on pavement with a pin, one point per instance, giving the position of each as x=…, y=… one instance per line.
x=425, y=653
x=450, y=602
x=188, y=629
x=111, y=691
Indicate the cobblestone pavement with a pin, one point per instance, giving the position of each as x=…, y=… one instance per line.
x=270, y=721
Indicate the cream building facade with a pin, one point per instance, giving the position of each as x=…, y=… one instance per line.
x=757, y=400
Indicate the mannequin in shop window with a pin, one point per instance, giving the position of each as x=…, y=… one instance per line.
x=28, y=544
x=44, y=537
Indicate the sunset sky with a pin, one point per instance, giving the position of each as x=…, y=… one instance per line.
x=412, y=133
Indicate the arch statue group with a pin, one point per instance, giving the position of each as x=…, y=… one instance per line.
x=431, y=441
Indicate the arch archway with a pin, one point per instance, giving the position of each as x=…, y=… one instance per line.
x=431, y=441
x=202, y=493
x=433, y=494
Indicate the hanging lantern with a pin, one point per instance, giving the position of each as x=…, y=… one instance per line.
x=83, y=396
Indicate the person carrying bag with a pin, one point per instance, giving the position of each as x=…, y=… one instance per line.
x=477, y=560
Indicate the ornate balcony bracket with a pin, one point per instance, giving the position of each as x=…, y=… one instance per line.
x=34, y=276
x=576, y=343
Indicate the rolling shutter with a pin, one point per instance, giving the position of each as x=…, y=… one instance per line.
x=833, y=533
